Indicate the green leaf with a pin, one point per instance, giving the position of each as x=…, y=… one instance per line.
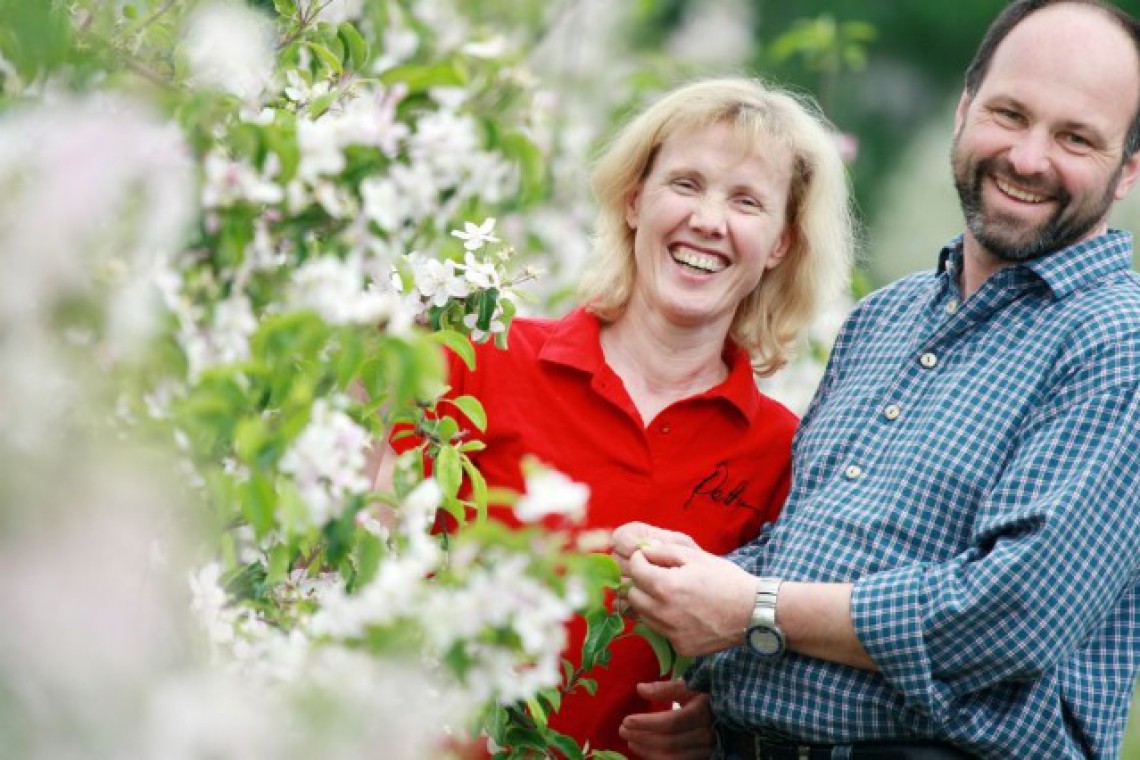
x=319, y=105
x=328, y=58
x=487, y=300
x=284, y=146
x=478, y=488
x=459, y=344
x=601, y=629
x=355, y=45
x=472, y=407
x=566, y=745
x=606, y=754
x=666, y=657
x=532, y=165
x=285, y=8
x=588, y=685
x=537, y=711
x=448, y=471
x=423, y=78
x=257, y=503
x=369, y=553
x=280, y=558
x=446, y=429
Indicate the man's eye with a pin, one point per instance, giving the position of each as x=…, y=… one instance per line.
x=1008, y=116
x=1077, y=141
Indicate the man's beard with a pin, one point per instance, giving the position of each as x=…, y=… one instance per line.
x=1014, y=240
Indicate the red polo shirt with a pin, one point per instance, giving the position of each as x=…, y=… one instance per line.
x=716, y=466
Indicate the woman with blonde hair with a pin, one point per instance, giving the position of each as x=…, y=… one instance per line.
x=723, y=225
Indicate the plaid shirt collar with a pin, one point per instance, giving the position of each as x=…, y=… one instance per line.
x=1064, y=271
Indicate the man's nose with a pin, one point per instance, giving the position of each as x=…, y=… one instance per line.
x=1030, y=153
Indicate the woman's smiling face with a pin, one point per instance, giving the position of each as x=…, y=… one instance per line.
x=710, y=217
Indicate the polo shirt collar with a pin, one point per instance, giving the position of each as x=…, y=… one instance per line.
x=576, y=342
x=1064, y=271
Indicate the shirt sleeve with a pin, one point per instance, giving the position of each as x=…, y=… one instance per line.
x=1052, y=549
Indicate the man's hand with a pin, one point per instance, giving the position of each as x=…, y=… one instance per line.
x=697, y=600
x=632, y=536
x=671, y=734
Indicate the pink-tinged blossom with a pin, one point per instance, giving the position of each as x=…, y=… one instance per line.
x=227, y=182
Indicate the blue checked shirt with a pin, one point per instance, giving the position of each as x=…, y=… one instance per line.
x=974, y=468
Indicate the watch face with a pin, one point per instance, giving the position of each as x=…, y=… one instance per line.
x=766, y=641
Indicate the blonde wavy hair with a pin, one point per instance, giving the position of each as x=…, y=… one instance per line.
x=771, y=320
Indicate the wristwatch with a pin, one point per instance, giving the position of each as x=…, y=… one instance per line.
x=764, y=637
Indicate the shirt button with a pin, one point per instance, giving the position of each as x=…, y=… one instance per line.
x=952, y=307
x=666, y=429
x=853, y=472
x=891, y=411
x=928, y=360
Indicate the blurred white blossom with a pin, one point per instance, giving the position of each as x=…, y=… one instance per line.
x=229, y=47
x=549, y=492
x=327, y=461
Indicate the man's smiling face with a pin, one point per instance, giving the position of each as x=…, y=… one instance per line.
x=1038, y=150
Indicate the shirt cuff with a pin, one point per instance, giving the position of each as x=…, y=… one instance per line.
x=699, y=675
x=887, y=611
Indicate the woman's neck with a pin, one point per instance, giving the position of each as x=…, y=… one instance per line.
x=660, y=363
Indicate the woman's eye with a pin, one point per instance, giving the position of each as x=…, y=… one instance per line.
x=683, y=183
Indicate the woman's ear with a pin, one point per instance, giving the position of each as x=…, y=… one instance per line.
x=632, y=206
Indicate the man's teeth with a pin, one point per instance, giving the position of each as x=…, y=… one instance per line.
x=1019, y=194
x=701, y=261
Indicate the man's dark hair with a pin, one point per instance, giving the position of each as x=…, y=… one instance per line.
x=1015, y=13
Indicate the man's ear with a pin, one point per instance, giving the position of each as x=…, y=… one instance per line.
x=960, y=111
x=1129, y=172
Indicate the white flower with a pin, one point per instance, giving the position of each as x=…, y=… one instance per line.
x=327, y=461
x=371, y=119
x=339, y=11
x=475, y=236
x=437, y=281
x=471, y=321
x=321, y=153
x=384, y=203
x=549, y=492
x=208, y=603
x=400, y=44
x=227, y=182
x=481, y=274
x=334, y=289
x=491, y=48
x=229, y=47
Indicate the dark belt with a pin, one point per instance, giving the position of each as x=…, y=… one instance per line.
x=757, y=748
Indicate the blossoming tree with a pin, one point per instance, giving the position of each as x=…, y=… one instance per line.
x=235, y=240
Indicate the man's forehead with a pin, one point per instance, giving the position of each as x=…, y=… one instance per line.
x=1076, y=57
